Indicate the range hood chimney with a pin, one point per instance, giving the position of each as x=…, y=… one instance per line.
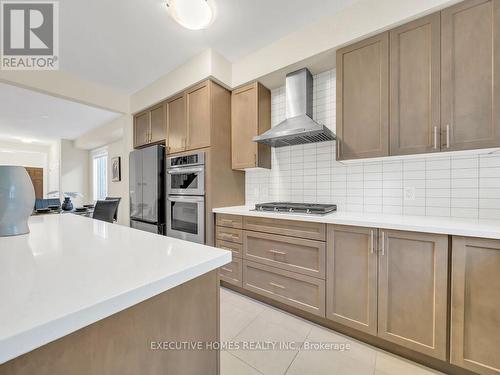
x=299, y=127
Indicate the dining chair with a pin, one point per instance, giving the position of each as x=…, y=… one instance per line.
x=105, y=210
x=115, y=199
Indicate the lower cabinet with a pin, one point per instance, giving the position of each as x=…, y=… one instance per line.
x=232, y=272
x=351, y=297
x=475, y=302
x=386, y=283
x=304, y=292
x=413, y=290
x=402, y=300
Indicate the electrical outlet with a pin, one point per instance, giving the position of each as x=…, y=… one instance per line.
x=409, y=193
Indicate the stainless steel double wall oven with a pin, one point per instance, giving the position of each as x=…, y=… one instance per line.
x=186, y=197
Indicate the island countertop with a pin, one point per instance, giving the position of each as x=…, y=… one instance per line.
x=71, y=271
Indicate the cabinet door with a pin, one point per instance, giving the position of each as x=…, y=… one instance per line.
x=475, y=313
x=158, y=124
x=198, y=116
x=351, y=290
x=244, y=126
x=141, y=129
x=415, y=65
x=176, y=124
x=363, y=99
x=471, y=75
x=412, y=292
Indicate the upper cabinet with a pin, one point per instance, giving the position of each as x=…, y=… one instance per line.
x=415, y=67
x=470, y=94
x=198, y=116
x=176, y=121
x=185, y=121
x=250, y=116
x=150, y=126
x=141, y=129
x=362, y=99
x=443, y=84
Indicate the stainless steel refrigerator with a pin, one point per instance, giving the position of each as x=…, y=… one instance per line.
x=147, y=189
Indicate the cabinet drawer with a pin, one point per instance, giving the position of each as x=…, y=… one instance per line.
x=300, y=291
x=302, y=229
x=231, y=221
x=288, y=253
x=231, y=272
x=229, y=234
x=236, y=248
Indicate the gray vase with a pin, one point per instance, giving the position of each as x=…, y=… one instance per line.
x=17, y=199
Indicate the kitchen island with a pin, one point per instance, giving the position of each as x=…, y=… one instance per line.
x=81, y=296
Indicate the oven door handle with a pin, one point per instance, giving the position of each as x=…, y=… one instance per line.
x=190, y=199
x=185, y=170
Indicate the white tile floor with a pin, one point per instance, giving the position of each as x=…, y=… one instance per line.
x=244, y=319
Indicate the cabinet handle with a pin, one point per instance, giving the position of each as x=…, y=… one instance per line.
x=338, y=149
x=435, y=137
x=447, y=135
x=229, y=236
x=383, y=243
x=371, y=241
x=226, y=221
x=277, y=285
x=277, y=252
x=255, y=160
x=227, y=269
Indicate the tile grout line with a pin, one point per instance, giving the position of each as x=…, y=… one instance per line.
x=298, y=351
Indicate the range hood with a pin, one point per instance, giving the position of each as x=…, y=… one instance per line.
x=299, y=127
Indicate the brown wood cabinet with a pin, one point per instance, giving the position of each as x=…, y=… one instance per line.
x=250, y=116
x=141, y=129
x=293, y=228
x=36, y=176
x=150, y=126
x=475, y=314
x=351, y=289
x=363, y=99
x=176, y=124
x=231, y=221
x=444, y=86
x=413, y=291
x=300, y=291
x=471, y=75
x=232, y=272
x=198, y=116
x=292, y=254
x=415, y=66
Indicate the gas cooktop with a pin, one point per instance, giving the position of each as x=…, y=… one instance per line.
x=297, y=208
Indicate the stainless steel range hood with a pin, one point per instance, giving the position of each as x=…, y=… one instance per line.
x=299, y=127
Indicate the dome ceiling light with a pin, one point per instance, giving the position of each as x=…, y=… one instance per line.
x=192, y=14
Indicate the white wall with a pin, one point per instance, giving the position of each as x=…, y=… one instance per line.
x=362, y=18
x=118, y=188
x=458, y=184
x=27, y=155
x=63, y=85
x=75, y=171
x=206, y=64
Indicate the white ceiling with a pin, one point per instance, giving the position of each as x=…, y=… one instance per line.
x=29, y=115
x=127, y=44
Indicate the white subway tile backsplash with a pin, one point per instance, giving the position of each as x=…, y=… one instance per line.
x=451, y=184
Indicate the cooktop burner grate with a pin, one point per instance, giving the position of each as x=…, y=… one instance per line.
x=302, y=208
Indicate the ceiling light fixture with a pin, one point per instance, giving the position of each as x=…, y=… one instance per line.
x=192, y=14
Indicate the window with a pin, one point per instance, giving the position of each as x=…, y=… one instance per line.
x=100, y=178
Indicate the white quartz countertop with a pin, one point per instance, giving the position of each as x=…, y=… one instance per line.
x=428, y=224
x=72, y=271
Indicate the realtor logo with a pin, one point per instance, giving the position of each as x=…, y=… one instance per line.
x=30, y=35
